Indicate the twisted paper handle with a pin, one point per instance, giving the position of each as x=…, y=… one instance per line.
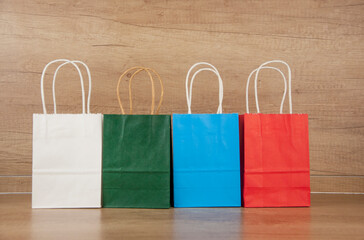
x=210, y=68
x=138, y=70
x=65, y=62
x=256, y=71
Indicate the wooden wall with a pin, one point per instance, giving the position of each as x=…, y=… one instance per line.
x=321, y=40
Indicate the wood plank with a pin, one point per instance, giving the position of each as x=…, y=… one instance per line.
x=15, y=184
x=329, y=217
x=354, y=184
x=321, y=40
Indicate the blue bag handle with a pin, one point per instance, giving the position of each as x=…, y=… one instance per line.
x=189, y=93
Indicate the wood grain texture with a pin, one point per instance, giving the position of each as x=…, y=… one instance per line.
x=18, y=184
x=321, y=40
x=342, y=184
x=15, y=184
x=329, y=217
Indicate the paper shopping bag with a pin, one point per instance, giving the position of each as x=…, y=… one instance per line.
x=276, y=156
x=136, y=155
x=67, y=154
x=206, y=168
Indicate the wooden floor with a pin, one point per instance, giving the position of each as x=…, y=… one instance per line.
x=330, y=217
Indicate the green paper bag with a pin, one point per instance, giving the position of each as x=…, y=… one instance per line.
x=136, y=156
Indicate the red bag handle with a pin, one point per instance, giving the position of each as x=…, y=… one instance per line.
x=256, y=71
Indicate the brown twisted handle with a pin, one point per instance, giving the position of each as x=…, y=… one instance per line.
x=139, y=69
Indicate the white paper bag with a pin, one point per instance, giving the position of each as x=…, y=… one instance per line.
x=67, y=154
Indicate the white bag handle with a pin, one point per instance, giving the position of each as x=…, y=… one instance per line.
x=81, y=80
x=89, y=82
x=262, y=66
x=189, y=93
x=247, y=87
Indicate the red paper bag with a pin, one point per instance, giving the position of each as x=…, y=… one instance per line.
x=276, y=169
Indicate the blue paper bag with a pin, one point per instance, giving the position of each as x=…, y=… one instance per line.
x=206, y=160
